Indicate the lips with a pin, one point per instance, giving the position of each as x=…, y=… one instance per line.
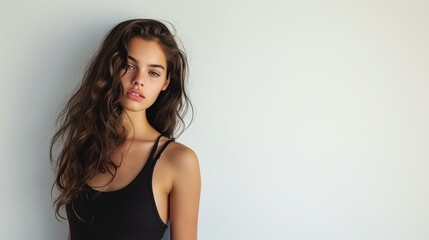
x=135, y=94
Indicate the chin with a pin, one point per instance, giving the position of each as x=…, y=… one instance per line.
x=133, y=109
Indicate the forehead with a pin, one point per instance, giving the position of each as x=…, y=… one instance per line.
x=146, y=51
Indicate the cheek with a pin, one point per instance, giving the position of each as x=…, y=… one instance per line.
x=123, y=81
x=126, y=79
x=153, y=91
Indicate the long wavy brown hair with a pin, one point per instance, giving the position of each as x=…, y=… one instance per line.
x=90, y=125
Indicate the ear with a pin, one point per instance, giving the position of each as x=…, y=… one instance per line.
x=166, y=83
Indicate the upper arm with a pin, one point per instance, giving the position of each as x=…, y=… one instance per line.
x=185, y=195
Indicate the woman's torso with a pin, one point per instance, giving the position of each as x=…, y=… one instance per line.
x=134, y=205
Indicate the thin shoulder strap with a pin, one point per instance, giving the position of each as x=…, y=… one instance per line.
x=163, y=148
x=155, y=147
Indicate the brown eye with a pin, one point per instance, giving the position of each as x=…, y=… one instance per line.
x=131, y=67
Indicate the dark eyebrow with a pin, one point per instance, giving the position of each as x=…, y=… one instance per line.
x=157, y=66
x=150, y=65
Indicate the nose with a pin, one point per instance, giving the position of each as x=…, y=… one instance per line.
x=138, y=80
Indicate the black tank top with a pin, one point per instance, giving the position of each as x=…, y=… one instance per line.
x=128, y=213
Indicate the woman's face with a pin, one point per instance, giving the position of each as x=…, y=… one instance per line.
x=146, y=75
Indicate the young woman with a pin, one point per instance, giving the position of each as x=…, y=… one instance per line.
x=120, y=173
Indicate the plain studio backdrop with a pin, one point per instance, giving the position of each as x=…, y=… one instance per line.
x=311, y=116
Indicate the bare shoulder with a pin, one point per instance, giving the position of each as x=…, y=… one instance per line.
x=184, y=194
x=181, y=158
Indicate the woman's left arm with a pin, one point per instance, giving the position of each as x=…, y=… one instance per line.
x=185, y=196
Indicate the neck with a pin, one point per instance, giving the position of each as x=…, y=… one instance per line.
x=137, y=125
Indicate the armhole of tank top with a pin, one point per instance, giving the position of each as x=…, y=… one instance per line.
x=152, y=196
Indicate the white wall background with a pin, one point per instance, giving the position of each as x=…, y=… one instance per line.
x=311, y=116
